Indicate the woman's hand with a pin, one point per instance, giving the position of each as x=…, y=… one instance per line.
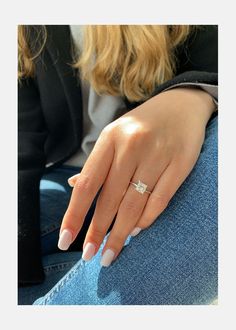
x=157, y=143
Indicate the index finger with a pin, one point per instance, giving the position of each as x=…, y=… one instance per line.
x=87, y=185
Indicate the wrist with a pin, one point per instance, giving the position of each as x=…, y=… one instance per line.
x=191, y=99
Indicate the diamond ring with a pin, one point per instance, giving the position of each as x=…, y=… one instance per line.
x=140, y=187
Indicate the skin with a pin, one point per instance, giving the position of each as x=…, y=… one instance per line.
x=158, y=143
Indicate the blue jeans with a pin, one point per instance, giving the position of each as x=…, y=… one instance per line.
x=54, y=198
x=173, y=262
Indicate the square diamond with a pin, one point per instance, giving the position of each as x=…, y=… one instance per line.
x=141, y=187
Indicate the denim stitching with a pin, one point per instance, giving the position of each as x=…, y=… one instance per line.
x=63, y=281
x=60, y=266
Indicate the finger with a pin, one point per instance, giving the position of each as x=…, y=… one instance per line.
x=165, y=188
x=72, y=180
x=128, y=214
x=108, y=203
x=87, y=185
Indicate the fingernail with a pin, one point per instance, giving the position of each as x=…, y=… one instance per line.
x=65, y=239
x=88, y=251
x=107, y=258
x=135, y=231
x=71, y=181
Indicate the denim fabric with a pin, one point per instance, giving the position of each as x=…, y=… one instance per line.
x=173, y=262
x=54, y=197
x=55, y=265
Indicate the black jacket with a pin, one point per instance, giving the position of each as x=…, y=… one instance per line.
x=50, y=123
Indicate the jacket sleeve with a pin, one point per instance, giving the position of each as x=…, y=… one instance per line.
x=32, y=134
x=197, y=60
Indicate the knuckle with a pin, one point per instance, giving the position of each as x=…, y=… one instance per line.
x=159, y=201
x=133, y=139
x=71, y=213
x=83, y=183
x=107, y=206
x=108, y=130
x=145, y=222
x=160, y=147
x=186, y=153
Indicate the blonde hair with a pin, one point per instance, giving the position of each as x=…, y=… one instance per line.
x=125, y=60
x=29, y=48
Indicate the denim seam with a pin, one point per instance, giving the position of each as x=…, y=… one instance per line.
x=60, y=266
x=63, y=281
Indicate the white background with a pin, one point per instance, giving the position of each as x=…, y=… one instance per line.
x=117, y=317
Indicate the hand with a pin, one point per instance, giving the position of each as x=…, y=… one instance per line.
x=158, y=143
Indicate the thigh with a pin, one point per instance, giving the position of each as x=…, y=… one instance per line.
x=172, y=262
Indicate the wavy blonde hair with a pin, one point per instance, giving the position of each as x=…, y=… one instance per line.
x=125, y=60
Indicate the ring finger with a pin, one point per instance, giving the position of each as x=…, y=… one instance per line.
x=130, y=210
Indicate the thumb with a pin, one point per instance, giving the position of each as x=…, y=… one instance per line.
x=72, y=180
